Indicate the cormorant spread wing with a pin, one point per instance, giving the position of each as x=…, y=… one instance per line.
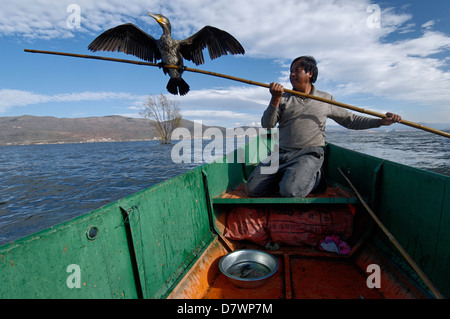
x=218, y=42
x=129, y=39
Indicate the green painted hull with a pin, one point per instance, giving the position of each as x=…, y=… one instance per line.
x=145, y=243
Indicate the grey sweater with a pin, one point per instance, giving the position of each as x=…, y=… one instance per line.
x=302, y=121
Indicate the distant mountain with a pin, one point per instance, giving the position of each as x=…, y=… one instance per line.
x=19, y=130
x=437, y=126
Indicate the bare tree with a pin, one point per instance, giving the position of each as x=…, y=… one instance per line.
x=166, y=114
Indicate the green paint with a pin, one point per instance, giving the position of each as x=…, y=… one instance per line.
x=146, y=242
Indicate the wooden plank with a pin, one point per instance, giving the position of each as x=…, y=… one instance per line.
x=287, y=277
x=308, y=200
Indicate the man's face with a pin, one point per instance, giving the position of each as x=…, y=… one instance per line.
x=299, y=78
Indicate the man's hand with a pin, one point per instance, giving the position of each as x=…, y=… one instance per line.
x=277, y=91
x=390, y=118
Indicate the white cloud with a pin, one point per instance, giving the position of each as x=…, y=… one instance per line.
x=13, y=98
x=403, y=70
x=213, y=113
x=428, y=24
x=225, y=118
x=210, y=113
x=256, y=96
x=353, y=58
x=226, y=106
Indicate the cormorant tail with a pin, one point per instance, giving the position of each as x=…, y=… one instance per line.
x=177, y=85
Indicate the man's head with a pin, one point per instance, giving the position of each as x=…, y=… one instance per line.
x=307, y=65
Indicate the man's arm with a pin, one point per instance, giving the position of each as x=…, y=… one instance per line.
x=270, y=116
x=359, y=122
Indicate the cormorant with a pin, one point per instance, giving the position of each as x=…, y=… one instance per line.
x=130, y=39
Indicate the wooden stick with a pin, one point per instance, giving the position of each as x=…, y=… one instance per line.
x=347, y=106
x=287, y=277
x=397, y=245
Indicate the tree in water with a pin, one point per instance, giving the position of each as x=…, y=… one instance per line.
x=166, y=114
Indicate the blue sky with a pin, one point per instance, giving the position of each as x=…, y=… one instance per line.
x=401, y=64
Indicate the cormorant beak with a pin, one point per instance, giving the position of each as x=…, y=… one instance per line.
x=157, y=17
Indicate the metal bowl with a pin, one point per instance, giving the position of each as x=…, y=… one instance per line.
x=248, y=268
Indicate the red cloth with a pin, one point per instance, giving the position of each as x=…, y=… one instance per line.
x=247, y=224
x=303, y=225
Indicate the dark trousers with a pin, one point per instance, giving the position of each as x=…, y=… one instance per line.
x=297, y=175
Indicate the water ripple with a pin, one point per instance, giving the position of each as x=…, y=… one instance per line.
x=43, y=185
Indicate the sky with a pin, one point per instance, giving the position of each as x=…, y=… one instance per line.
x=379, y=55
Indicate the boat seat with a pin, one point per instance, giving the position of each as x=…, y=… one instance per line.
x=331, y=194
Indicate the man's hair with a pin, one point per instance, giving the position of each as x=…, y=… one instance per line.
x=309, y=64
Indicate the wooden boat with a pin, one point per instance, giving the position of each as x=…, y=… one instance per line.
x=166, y=241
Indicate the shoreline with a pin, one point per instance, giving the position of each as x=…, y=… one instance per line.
x=110, y=140
x=103, y=140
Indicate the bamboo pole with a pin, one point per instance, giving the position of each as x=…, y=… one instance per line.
x=233, y=78
x=397, y=245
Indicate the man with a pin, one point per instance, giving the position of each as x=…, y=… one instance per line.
x=302, y=133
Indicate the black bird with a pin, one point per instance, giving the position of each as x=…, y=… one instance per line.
x=130, y=39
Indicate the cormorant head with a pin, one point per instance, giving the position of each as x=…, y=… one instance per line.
x=162, y=20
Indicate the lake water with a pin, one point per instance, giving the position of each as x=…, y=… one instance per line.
x=414, y=148
x=43, y=185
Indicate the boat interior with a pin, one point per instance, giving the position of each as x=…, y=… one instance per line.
x=167, y=241
x=305, y=271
